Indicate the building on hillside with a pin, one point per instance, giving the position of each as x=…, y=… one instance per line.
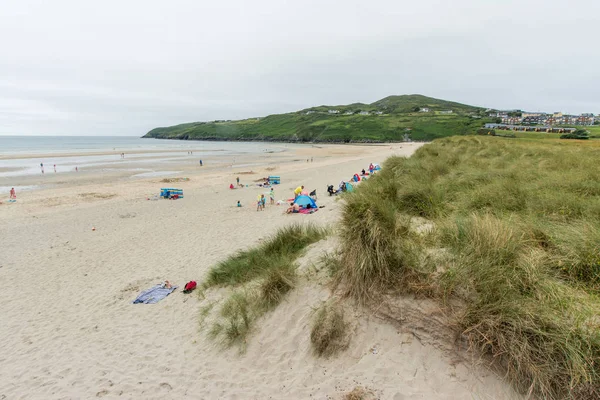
x=531, y=120
x=424, y=109
x=364, y=113
x=310, y=112
x=334, y=111
x=348, y=113
x=378, y=113
x=586, y=119
x=511, y=120
x=446, y=112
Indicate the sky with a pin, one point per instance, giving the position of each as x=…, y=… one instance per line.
x=72, y=67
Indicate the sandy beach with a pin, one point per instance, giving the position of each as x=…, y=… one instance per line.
x=75, y=254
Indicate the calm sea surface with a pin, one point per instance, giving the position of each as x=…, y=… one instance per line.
x=22, y=155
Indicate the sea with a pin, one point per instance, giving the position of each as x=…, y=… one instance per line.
x=21, y=156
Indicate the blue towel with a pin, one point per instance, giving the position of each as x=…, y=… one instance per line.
x=154, y=294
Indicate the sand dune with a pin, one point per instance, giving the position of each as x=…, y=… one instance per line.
x=69, y=329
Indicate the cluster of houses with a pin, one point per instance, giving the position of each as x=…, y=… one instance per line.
x=530, y=119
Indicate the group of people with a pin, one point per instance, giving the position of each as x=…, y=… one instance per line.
x=261, y=201
x=76, y=168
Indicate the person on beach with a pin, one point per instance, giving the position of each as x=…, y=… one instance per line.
x=42, y=167
x=259, y=203
x=76, y=169
x=54, y=168
x=298, y=191
x=13, y=194
x=363, y=172
x=272, y=196
x=293, y=209
x=237, y=179
x=201, y=163
x=239, y=204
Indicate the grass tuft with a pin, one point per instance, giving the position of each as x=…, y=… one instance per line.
x=329, y=334
x=277, y=252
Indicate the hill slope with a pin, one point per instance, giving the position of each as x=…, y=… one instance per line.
x=390, y=119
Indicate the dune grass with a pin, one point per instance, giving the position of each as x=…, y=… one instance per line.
x=328, y=334
x=261, y=277
x=277, y=252
x=516, y=236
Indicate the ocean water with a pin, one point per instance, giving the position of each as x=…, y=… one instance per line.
x=22, y=155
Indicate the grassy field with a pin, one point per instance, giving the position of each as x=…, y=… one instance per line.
x=317, y=125
x=505, y=233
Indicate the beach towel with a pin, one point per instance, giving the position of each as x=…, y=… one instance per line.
x=154, y=294
x=308, y=210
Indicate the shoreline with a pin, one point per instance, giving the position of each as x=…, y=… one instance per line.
x=97, y=241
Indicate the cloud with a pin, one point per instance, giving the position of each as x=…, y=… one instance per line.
x=71, y=67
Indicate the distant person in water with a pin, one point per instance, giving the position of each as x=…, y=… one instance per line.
x=201, y=163
x=76, y=169
x=13, y=194
x=42, y=167
x=54, y=168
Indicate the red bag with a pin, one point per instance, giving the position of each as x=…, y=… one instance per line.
x=191, y=285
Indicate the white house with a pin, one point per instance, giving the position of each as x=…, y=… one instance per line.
x=364, y=113
x=446, y=112
x=334, y=111
x=348, y=113
x=310, y=112
x=378, y=112
x=424, y=109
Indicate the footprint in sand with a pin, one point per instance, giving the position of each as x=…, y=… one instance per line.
x=165, y=385
x=102, y=393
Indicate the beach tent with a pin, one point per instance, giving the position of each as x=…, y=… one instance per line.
x=275, y=180
x=305, y=201
x=356, y=178
x=349, y=187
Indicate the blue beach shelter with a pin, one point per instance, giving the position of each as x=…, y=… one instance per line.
x=349, y=187
x=305, y=201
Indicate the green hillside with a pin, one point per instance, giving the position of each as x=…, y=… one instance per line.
x=389, y=119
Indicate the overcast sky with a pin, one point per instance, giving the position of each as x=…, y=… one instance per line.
x=124, y=67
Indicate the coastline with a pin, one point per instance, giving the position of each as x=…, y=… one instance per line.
x=95, y=242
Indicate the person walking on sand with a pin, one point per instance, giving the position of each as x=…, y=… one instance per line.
x=272, y=196
x=13, y=194
x=42, y=167
x=237, y=179
x=201, y=163
x=298, y=191
x=54, y=168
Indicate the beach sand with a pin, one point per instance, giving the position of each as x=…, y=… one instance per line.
x=69, y=330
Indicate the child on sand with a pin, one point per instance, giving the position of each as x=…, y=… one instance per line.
x=13, y=194
x=272, y=196
x=260, y=202
x=239, y=204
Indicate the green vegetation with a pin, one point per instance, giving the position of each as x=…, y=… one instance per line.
x=512, y=250
x=400, y=116
x=261, y=276
x=580, y=134
x=328, y=334
x=276, y=253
